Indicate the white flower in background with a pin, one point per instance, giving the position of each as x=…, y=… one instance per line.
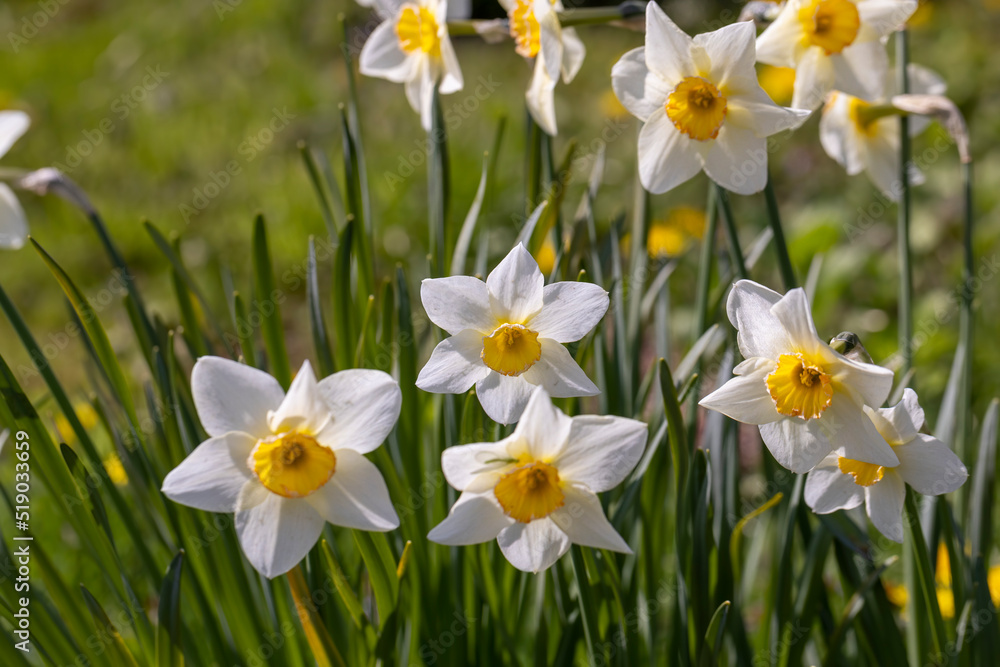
x=806, y=398
x=13, y=223
x=287, y=464
x=412, y=47
x=864, y=136
x=925, y=463
x=557, y=51
x=702, y=106
x=833, y=45
x=536, y=490
x=507, y=335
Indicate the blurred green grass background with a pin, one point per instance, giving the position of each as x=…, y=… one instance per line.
x=146, y=103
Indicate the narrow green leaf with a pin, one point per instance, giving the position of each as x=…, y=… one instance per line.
x=117, y=652
x=272, y=328
x=321, y=342
x=168, y=634
x=710, y=649
x=381, y=568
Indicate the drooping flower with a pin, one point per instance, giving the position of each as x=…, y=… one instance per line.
x=411, y=46
x=13, y=223
x=288, y=463
x=507, y=335
x=535, y=491
x=833, y=45
x=864, y=136
x=806, y=398
x=702, y=106
x=925, y=463
x=557, y=52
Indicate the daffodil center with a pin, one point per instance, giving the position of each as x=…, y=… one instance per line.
x=529, y=492
x=697, y=108
x=524, y=29
x=830, y=24
x=292, y=464
x=800, y=386
x=865, y=474
x=417, y=30
x=511, y=349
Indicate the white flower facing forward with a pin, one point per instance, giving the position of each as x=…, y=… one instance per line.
x=557, y=52
x=833, y=45
x=507, y=335
x=806, y=398
x=13, y=223
x=412, y=47
x=287, y=464
x=702, y=106
x=925, y=463
x=536, y=491
x=864, y=136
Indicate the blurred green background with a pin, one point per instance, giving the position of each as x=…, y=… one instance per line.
x=147, y=104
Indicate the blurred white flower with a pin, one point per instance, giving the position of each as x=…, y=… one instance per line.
x=507, y=335
x=925, y=463
x=536, y=490
x=557, y=51
x=287, y=464
x=702, y=106
x=806, y=398
x=833, y=45
x=412, y=47
x=864, y=136
x=13, y=223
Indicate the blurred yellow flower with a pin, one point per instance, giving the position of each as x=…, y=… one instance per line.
x=899, y=596
x=672, y=236
x=88, y=419
x=778, y=83
x=925, y=13
x=546, y=257
x=115, y=469
x=611, y=107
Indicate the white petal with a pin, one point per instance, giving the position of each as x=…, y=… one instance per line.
x=426, y=84
x=862, y=69
x=814, y=78
x=382, y=57
x=13, y=222
x=533, y=547
x=828, y=489
x=573, y=54
x=212, y=476
x=737, y=160
x=303, y=407
x=356, y=496
x=231, y=396
x=543, y=427
x=474, y=518
x=884, y=501
x=278, y=533
x=745, y=397
x=796, y=444
x=881, y=157
x=779, y=44
x=900, y=423
x=731, y=55
x=668, y=48
x=667, y=157
x=451, y=80
x=870, y=383
x=502, y=397
x=463, y=465
x=13, y=124
x=582, y=519
x=756, y=112
x=516, y=287
x=853, y=435
x=365, y=406
x=638, y=89
x=457, y=303
x=759, y=333
x=885, y=16
x=559, y=373
x=602, y=451
x=839, y=135
x=540, y=98
x=569, y=311
x=930, y=467
x=792, y=311
x=455, y=365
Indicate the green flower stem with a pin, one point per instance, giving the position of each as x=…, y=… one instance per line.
x=963, y=435
x=734, y=240
x=903, y=220
x=780, y=246
x=438, y=179
x=921, y=576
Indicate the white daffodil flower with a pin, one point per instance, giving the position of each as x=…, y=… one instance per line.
x=536, y=490
x=557, y=51
x=806, y=398
x=702, y=106
x=864, y=136
x=288, y=463
x=13, y=223
x=412, y=47
x=507, y=335
x=925, y=463
x=833, y=45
